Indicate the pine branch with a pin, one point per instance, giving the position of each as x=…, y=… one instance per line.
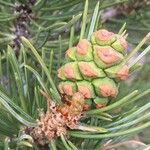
x=34, y=112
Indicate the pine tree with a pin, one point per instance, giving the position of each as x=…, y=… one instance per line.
x=34, y=113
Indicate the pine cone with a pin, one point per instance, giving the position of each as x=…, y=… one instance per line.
x=95, y=68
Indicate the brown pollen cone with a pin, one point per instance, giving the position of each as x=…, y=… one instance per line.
x=57, y=119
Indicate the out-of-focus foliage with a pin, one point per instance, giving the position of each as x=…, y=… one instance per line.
x=136, y=14
x=42, y=20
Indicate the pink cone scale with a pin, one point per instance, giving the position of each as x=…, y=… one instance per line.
x=94, y=68
x=120, y=45
x=103, y=37
x=106, y=56
x=82, y=47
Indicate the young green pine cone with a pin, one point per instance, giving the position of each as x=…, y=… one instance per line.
x=94, y=68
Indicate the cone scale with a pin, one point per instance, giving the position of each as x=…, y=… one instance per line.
x=94, y=68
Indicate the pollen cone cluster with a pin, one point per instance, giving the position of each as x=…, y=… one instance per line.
x=57, y=119
x=94, y=68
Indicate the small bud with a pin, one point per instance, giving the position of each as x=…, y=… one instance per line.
x=105, y=56
x=120, y=45
x=84, y=50
x=100, y=102
x=86, y=89
x=105, y=87
x=68, y=88
x=103, y=37
x=89, y=70
x=120, y=72
x=70, y=54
